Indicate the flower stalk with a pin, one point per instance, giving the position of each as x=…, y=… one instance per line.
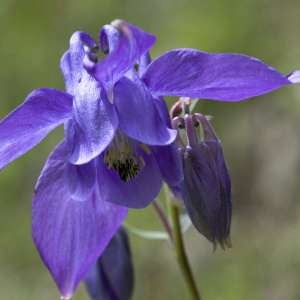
x=180, y=251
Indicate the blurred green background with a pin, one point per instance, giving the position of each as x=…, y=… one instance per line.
x=260, y=137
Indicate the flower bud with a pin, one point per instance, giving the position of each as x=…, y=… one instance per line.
x=112, y=277
x=206, y=186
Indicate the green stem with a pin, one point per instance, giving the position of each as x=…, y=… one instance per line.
x=181, y=253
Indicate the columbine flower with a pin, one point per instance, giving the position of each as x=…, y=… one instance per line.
x=112, y=277
x=110, y=125
x=206, y=188
x=116, y=130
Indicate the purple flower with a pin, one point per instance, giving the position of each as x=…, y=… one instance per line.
x=118, y=143
x=106, y=153
x=112, y=277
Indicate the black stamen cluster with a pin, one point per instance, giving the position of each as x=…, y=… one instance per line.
x=127, y=169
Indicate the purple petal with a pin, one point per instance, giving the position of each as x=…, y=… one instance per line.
x=70, y=235
x=163, y=111
x=71, y=62
x=109, y=38
x=112, y=276
x=28, y=124
x=224, y=77
x=138, y=115
x=139, y=191
x=94, y=122
x=81, y=180
x=125, y=44
x=294, y=77
x=168, y=157
x=170, y=163
x=145, y=60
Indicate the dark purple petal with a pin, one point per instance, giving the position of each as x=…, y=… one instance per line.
x=70, y=235
x=28, y=124
x=138, y=115
x=125, y=47
x=224, y=77
x=294, y=77
x=94, y=122
x=112, y=277
x=71, y=62
x=139, y=191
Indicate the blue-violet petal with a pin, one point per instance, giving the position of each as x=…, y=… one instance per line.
x=223, y=77
x=28, y=124
x=70, y=235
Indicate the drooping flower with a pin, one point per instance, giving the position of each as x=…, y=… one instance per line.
x=206, y=188
x=112, y=277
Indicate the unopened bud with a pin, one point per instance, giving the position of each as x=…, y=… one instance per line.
x=112, y=276
x=206, y=187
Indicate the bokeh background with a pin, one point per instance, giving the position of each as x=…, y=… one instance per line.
x=260, y=137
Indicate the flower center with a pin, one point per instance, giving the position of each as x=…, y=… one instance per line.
x=122, y=158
